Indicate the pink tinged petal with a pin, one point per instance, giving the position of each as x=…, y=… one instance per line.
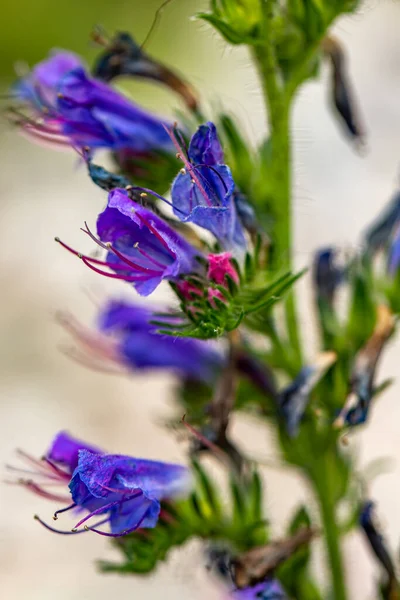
x=220, y=265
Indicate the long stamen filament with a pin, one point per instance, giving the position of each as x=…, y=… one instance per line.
x=71, y=532
x=131, y=530
x=99, y=510
x=112, y=275
x=130, y=263
x=88, y=260
x=60, y=472
x=154, y=231
x=34, y=487
x=63, y=510
x=152, y=193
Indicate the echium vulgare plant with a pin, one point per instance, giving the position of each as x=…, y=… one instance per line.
x=232, y=336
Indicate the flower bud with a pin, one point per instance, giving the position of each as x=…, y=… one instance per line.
x=237, y=20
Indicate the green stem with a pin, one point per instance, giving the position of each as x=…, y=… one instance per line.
x=325, y=495
x=278, y=170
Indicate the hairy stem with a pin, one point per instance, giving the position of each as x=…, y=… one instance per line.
x=325, y=495
x=278, y=167
x=278, y=170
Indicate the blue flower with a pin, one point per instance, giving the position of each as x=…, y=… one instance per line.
x=267, y=590
x=71, y=108
x=142, y=248
x=126, y=491
x=125, y=338
x=202, y=193
x=376, y=539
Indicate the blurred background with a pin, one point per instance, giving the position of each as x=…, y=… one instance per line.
x=43, y=194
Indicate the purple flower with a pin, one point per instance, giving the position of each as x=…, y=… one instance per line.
x=142, y=248
x=71, y=108
x=202, y=193
x=54, y=469
x=267, y=590
x=127, y=339
x=126, y=490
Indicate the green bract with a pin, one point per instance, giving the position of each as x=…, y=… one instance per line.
x=238, y=21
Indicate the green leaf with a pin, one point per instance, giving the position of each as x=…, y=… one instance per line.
x=301, y=518
x=225, y=30
x=362, y=312
x=206, y=488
